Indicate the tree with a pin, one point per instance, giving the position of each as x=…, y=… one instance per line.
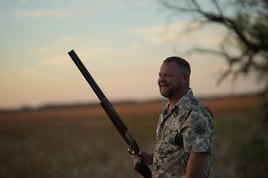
x=247, y=25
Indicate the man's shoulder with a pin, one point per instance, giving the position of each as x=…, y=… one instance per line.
x=196, y=105
x=190, y=101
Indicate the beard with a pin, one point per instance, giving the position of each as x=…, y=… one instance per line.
x=169, y=92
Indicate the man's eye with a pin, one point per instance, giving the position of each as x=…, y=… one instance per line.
x=165, y=75
x=169, y=75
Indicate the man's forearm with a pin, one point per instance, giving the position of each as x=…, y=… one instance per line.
x=148, y=158
x=195, y=165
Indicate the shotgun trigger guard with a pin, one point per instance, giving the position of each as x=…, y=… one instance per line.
x=131, y=151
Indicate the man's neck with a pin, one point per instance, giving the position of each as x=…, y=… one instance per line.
x=175, y=99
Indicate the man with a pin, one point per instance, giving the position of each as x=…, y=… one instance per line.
x=184, y=132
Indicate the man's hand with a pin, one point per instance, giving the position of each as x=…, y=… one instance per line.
x=147, y=158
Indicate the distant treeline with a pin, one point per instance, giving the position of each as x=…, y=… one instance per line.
x=118, y=102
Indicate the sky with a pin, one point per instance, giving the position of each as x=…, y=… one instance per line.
x=121, y=42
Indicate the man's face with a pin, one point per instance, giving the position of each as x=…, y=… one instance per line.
x=170, y=80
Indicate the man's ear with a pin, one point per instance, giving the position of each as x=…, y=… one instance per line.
x=185, y=78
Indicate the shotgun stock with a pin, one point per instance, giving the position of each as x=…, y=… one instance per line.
x=133, y=147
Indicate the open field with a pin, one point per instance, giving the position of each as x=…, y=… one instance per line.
x=80, y=142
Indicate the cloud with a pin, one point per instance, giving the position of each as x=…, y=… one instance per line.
x=54, y=54
x=181, y=33
x=156, y=34
x=24, y=1
x=58, y=13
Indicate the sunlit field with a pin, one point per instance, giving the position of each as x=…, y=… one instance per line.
x=81, y=142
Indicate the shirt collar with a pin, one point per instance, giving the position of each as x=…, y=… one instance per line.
x=180, y=102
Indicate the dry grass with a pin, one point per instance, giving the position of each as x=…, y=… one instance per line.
x=81, y=142
x=232, y=103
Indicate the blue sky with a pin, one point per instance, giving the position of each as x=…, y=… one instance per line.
x=122, y=43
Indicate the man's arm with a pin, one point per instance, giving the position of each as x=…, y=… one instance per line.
x=196, y=164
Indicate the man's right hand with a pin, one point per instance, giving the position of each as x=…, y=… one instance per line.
x=141, y=162
x=147, y=158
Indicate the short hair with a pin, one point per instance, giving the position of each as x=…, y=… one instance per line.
x=182, y=63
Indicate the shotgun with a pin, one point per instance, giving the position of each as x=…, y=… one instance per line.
x=133, y=147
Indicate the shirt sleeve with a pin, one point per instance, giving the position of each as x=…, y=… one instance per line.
x=197, y=133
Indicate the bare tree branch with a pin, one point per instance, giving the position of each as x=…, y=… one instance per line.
x=250, y=32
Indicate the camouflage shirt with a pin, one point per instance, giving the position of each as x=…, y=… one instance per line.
x=187, y=128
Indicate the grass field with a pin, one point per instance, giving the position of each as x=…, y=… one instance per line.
x=80, y=142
